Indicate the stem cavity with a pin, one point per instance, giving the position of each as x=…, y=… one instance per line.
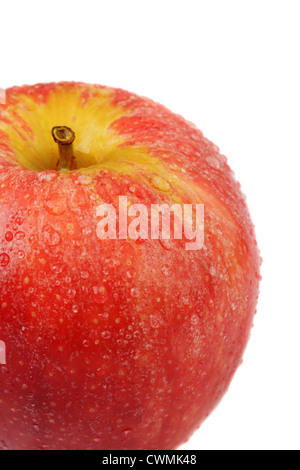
x=64, y=137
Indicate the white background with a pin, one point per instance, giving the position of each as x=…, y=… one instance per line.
x=233, y=68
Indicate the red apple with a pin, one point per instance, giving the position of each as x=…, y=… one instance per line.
x=114, y=344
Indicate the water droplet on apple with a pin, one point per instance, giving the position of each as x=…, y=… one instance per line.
x=100, y=294
x=33, y=239
x=75, y=309
x=45, y=176
x=155, y=321
x=71, y=293
x=130, y=273
x=84, y=275
x=213, y=162
x=20, y=235
x=138, y=191
x=4, y=260
x=19, y=220
x=135, y=292
x=51, y=237
x=195, y=320
x=55, y=204
x=9, y=236
x=31, y=213
x=85, y=180
x=87, y=231
x=105, y=334
x=165, y=270
x=127, y=432
x=57, y=268
x=212, y=271
x=21, y=254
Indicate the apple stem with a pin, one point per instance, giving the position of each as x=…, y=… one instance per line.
x=64, y=137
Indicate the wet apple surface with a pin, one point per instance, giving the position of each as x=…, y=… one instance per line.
x=114, y=344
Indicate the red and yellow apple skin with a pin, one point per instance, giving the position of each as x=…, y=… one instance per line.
x=114, y=344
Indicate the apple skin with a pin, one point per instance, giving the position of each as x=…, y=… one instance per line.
x=115, y=344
